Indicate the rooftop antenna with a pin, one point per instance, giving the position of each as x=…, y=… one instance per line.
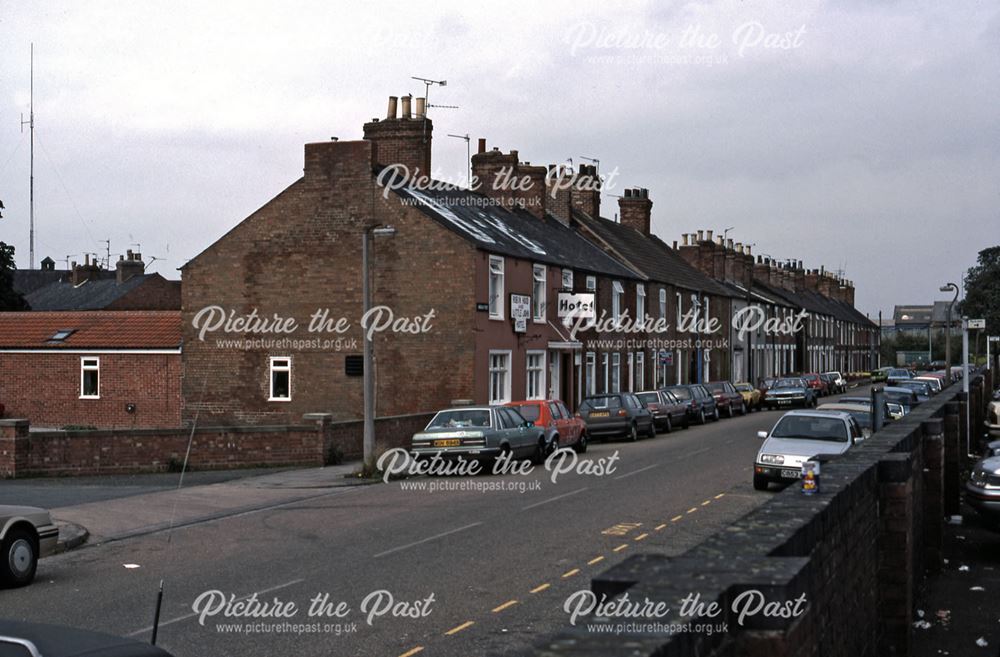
x=66, y=259
x=107, y=252
x=597, y=163
x=468, y=155
x=725, y=233
x=427, y=98
x=31, y=183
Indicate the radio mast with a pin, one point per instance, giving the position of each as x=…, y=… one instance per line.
x=31, y=184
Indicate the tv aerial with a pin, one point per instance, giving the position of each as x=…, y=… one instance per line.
x=428, y=83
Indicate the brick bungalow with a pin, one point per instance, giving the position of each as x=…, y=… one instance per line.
x=105, y=369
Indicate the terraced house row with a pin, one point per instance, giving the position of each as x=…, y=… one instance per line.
x=496, y=275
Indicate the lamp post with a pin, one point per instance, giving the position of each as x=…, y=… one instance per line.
x=950, y=287
x=369, y=375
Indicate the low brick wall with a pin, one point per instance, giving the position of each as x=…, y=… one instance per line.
x=25, y=453
x=858, y=551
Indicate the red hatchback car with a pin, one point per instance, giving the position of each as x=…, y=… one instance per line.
x=562, y=428
x=816, y=383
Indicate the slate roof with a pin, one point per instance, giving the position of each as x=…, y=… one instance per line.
x=93, y=294
x=27, y=281
x=651, y=256
x=126, y=329
x=516, y=233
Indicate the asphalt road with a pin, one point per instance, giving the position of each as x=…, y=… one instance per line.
x=499, y=564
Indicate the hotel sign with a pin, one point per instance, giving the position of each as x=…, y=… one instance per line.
x=520, y=312
x=580, y=305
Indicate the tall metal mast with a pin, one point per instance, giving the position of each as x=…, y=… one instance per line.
x=31, y=184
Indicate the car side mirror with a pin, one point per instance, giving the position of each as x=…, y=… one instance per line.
x=762, y=434
x=577, y=414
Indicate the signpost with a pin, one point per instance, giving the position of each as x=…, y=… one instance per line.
x=977, y=324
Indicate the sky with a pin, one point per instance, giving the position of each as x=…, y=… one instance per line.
x=862, y=136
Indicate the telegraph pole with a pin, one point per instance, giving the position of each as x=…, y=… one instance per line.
x=31, y=182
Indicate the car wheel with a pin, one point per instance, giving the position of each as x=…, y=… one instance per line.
x=670, y=426
x=581, y=445
x=701, y=416
x=716, y=416
x=633, y=433
x=743, y=408
x=541, y=452
x=19, y=557
x=760, y=483
x=652, y=429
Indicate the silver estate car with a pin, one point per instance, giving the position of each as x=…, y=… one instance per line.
x=480, y=432
x=26, y=534
x=799, y=436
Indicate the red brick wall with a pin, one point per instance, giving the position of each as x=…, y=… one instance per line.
x=45, y=388
x=302, y=252
x=154, y=294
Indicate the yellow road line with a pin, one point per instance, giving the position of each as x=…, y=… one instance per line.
x=692, y=509
x=621, y=547
x=659, y=527
x=456, y=630
x=571, y=573
x=509, y=603
x=595, y=560
x=706, y=502
x=676, y=518
x=720, y=496
x=410, y=653
x=539, y=589
x=640, y=537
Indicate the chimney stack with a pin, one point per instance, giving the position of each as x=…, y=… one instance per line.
x=128, y=266
x=88, y=270
x=636, y=209
x=402, y=140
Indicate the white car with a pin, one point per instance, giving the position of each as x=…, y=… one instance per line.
x=799, y=436
x=932, y=381
x=26, y=534
x=993, y=419
x=840, y=384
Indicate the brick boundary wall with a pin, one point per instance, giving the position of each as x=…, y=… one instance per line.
x=25, y=453
x=858, y=550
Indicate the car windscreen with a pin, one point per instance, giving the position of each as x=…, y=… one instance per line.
x=864, y=418
x=529, y=411
x=716, y=387
x=648, y=397
x=681, y=393
x=811, y=427
x=460, y=419
x=601, y=402
x=744, y=387
x=789, y=383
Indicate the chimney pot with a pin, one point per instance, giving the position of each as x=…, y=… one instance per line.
x=421, y=109
x=675, y=245
x=482, y=145
x=708, y=233
x=406, y=107
x=701, y=235
x=391, y=113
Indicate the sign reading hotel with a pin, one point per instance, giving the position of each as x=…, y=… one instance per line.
x=520, y=311
x=580, y=305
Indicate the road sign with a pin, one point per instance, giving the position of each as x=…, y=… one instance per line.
x=667, y=358
x=977, y=324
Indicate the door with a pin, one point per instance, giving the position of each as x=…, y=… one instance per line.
x=555, y=370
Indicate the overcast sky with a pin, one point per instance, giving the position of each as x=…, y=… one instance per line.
x=862, y=136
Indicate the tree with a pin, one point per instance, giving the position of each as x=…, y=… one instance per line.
x=982, y=290
x=10, y=299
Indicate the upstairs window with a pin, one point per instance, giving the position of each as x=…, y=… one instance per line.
x=567, y=279
x=617, y=300
x=663, y=303
x=640, y=302
x=496, y=287
x=538, y=277
x=591, y=283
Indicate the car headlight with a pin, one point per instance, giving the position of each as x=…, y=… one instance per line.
x=773, y=459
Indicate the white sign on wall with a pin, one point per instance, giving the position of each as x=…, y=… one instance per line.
x=520, y=311
x=580, y=305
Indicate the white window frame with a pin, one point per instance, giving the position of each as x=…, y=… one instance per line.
x=640, y=302
x=591, y=373
x=606, y=366
x=86, y=366
x=496, y=290
x=539, y=283
x=538, y=371
x=680, y=302
x=567, y=279
x=616, y=372
x=592, y=284
x=617, y=297
x=707, y=316
x=631, y=372
x=640, y=370
x=663, y=303
x=272, y=368
x=506, y=354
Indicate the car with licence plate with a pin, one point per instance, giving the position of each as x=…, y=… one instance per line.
x=800, y=436
x=701, y=404
x=751, y=395
x=727, y=398
x=562, y=428
x=790, y=392
x=617, y=415
x=481, y=432
x=668, y=411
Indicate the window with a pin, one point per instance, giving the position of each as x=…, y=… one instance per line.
x=61, y=335
x=354, y=365
x=567, y=279
x=591, y=373
x=496, y=287
x=536, y=375
x=663, y=303
x=281, y=379
x=591, y=283
x=679, y=303
x=631, y=372
x=617, y=297
x=605, y=370
x=640, y=369
x=554, y=411
x=640, y=302
x=499, y=377
x=616, y=362
x=707, y=314
x=538, y=293
x=90, y=378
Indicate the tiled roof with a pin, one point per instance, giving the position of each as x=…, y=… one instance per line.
x=517, y=233
x=650, y=255
x=93, y=294
x=127, y=329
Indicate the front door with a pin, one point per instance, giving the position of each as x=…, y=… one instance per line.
x=555, y=378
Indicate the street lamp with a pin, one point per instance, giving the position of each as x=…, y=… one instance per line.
x=369, y=378
x=947, y=349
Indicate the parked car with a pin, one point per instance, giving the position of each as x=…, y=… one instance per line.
x=19, y=639
x=956, y=373
x=701, y=403
x=668, y=411
x=879, y=375
x=904, y=396
x=27, y=534
x=922, y=388
x=562, y=428
x=993, y=419
x=799, y=436
x=790, y=392
x=893, y=410
x=897, y=374
x=483, y=432
x=838, y=384
x=982, y=490
x=751, y=396
x=861, y=412
x=933, y=381
x=616, y=415
x=816, y=382
x=727, y=398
